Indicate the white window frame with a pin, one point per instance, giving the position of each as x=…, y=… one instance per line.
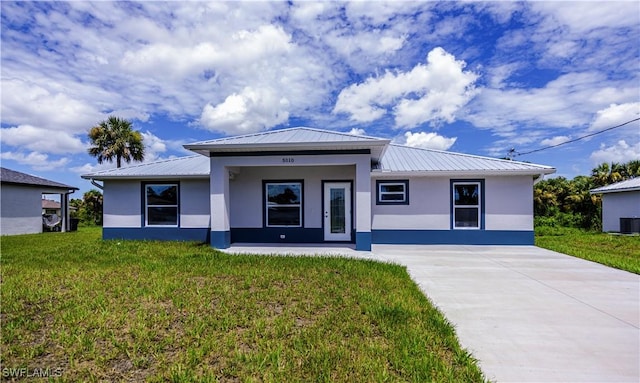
x=404, y=192
x=478, y=206
x=266, y=202
x=147, y=206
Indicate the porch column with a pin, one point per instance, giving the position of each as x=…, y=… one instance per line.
x=363, y=204
x=64, y=207
x=220, y=229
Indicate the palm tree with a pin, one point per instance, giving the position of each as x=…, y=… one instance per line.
x=115, y=138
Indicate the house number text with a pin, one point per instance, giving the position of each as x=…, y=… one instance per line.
x=288, y=159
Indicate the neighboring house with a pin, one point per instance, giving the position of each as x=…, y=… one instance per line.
x=620, y=200
x=306, y=185
x=21, y=202
x=51, y=207
x=54, y=207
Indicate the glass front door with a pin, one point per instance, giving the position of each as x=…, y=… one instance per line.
x=337, y=211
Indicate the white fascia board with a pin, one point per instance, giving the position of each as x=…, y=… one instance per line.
x=100, y=177
x=595, y=191
x=203, y=148
x=465, y=173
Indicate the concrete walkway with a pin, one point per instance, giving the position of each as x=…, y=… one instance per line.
x=527, y=314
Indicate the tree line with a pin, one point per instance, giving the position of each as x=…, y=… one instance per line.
x=562, y=202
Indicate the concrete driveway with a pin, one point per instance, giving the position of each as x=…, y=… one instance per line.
x=532, y=315
x=527, y=314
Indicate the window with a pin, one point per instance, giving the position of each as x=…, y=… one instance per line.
x=466, y=205
x=283, y=204
x=161, y=204
x=392, y=192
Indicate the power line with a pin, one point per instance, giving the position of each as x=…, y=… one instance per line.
x=575, y=139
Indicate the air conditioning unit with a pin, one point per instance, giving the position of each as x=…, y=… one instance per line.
x=629, y=225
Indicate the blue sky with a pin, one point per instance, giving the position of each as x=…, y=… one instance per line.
x=471, y=77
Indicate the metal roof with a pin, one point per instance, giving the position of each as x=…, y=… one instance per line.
x=404, y=159
x=632, y=184
x=291, y=135
x=392, y=160
x=14, y=177
x=302, y=138
x=183, y=167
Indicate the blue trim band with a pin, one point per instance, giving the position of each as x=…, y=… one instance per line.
x=453, y=237
x=220, y=239
x=320, y=152
x=273, y=235
x=157, y=233
x=363, y=241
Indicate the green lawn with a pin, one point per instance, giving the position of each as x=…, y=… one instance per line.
x=619, y=251
x=93, y=310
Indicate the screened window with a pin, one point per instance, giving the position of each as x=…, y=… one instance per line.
x=466, y=205
x=283, y=205
x=392, y=192
x=161, y=204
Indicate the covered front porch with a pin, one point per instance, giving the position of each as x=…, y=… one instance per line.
x=311, y=199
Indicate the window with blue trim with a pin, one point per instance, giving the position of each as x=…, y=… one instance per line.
x=392, y=192
x=161, y=204
x=283, y=204
x=466, y=205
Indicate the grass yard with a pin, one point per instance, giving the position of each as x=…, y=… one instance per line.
x=619, y=251
x=84, y=309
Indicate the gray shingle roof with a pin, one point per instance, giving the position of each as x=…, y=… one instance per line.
x=399, y=158
x=623, y=186
x=191, y=167
x=14, y=177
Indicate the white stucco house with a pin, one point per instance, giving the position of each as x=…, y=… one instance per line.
x=305, y=185
x=620, y=200
x=21, y=202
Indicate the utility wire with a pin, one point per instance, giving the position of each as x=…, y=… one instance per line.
x=577, y=139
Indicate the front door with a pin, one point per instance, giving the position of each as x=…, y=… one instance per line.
x=337, y=211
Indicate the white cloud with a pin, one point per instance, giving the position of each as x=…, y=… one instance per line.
x=28, y=103
x=38, y=161
x=619, y=152
x=91, y=168
x=41, y=140
x=617, y=114
x=499, y=74
x=358, y=132
x=432, y=92
x=153, y=146
x=428, y=140
x=373, y=43
x=582, y=17
x=554, y=140
x=243, y=47
x=250, y=111
x=566, y=102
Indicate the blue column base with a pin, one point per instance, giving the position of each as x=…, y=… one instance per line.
x=221, y=239
x=363, y=241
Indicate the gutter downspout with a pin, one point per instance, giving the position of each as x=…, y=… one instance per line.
x=94, y=183
x=535, y=181
x=66, y=212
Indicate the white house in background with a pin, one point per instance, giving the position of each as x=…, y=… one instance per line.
x=306, y=185
x=620, y=200
x=21, y=202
